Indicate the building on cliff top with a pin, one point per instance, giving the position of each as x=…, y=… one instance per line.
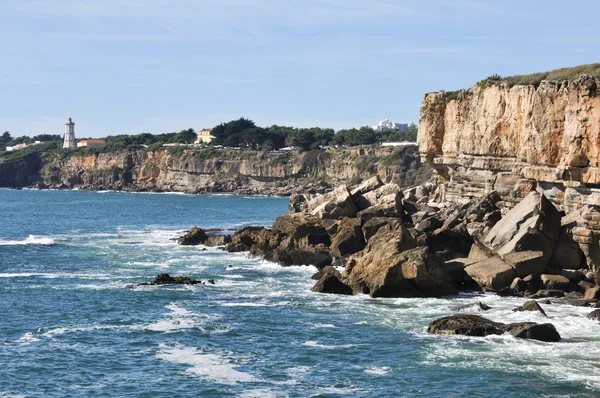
x=90, y=143
x=388, y=125
x=204, y=137
x=70, y=142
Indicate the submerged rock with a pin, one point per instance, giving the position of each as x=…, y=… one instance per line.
x=330, y=283
x=479, y=306
x=166, y=279
x=474, y=325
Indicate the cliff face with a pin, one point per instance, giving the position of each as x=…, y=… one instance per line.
x=491, y=137
x=197, y=171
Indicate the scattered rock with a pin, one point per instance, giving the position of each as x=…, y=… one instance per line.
x=217, y=240
x=548, y=293
x=335, y=205
x=531, y=305
x=594, y=315
x=479, y=306
x=349, y=238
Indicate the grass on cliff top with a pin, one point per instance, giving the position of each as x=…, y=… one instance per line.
x=562, y=74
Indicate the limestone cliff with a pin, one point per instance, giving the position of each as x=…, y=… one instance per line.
x=517, y=139
x=204, y=170
x=510, y=139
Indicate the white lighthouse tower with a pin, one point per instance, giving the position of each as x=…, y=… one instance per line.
x=70, y=142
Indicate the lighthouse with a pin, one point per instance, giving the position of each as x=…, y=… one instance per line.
x=70, y=142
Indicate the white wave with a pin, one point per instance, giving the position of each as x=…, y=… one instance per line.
x=260, y=393
x=63, y=330
x=207, y=366
x=27, y=338
x=323, y=325
x=316, y=344
x=246, y=305
x=31, y=240
x=179, y=319
x=49, y=275
x=377, y=370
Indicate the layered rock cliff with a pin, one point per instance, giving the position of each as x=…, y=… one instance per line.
x=510, y=138
x=513, y=140
x=205, y=170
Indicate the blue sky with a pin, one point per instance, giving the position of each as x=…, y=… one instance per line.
x=160, y=66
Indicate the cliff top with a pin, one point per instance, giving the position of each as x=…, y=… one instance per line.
x=561, y=74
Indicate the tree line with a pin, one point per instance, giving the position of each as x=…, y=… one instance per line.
x=244, y=133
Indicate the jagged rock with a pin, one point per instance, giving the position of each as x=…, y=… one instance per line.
x=387, y=206
x=535, y=331
x=554, y=282
x=302, y=226
x=478, y=211
x=366, y=186
x=531, y=305
x=194, y=236
x=532, y=225
x=456, y=269
x=333, y=205
x=567, y=254
x=376, y=197
x=330, y=283
x=298, y=203
x=520, y=286
x=474, y=325
x=373, y=225
x=592, y=293
x=450, y=242
x=429, y=224
x=256, y=240
x=594, y=315
x=349, y=238
x=388, y=271
x=479, y=306
x=584, y=285
x=491, y=274
x=287, y=255
x=217, y=240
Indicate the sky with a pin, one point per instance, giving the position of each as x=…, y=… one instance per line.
x=126, y=67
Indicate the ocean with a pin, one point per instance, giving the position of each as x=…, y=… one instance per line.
x=70, y=326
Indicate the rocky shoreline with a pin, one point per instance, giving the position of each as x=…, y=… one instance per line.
x=402, y=243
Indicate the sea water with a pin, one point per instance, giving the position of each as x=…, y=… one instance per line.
x=70, y=326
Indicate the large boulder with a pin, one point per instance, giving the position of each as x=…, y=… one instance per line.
x=534, y=331
x=532, y=225
x=474, y=325
x=298, y=202
x=366, y=186
x=554, y=282
x=568, y=254
x=333, y=205
x=531, y=305
x=195, y=236
x=349, y=238
x=387, y=271
x=376, y=196
x=372, y=226
x=491, y=273
x=465, y=324
x=302, y=226
x=526, y=262
x=330, y=283
x=289, y=253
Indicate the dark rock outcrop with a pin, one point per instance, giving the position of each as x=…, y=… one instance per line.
x=194, y=236
x=531, y=305
x=474, y=325
x=166, y=279
x=330, y=283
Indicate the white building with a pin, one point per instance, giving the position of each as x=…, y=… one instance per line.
x=204, y=137
x=90, y=143
x=70, y=142
x=388, y=125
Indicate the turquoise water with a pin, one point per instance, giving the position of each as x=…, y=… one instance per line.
x=70, y=328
